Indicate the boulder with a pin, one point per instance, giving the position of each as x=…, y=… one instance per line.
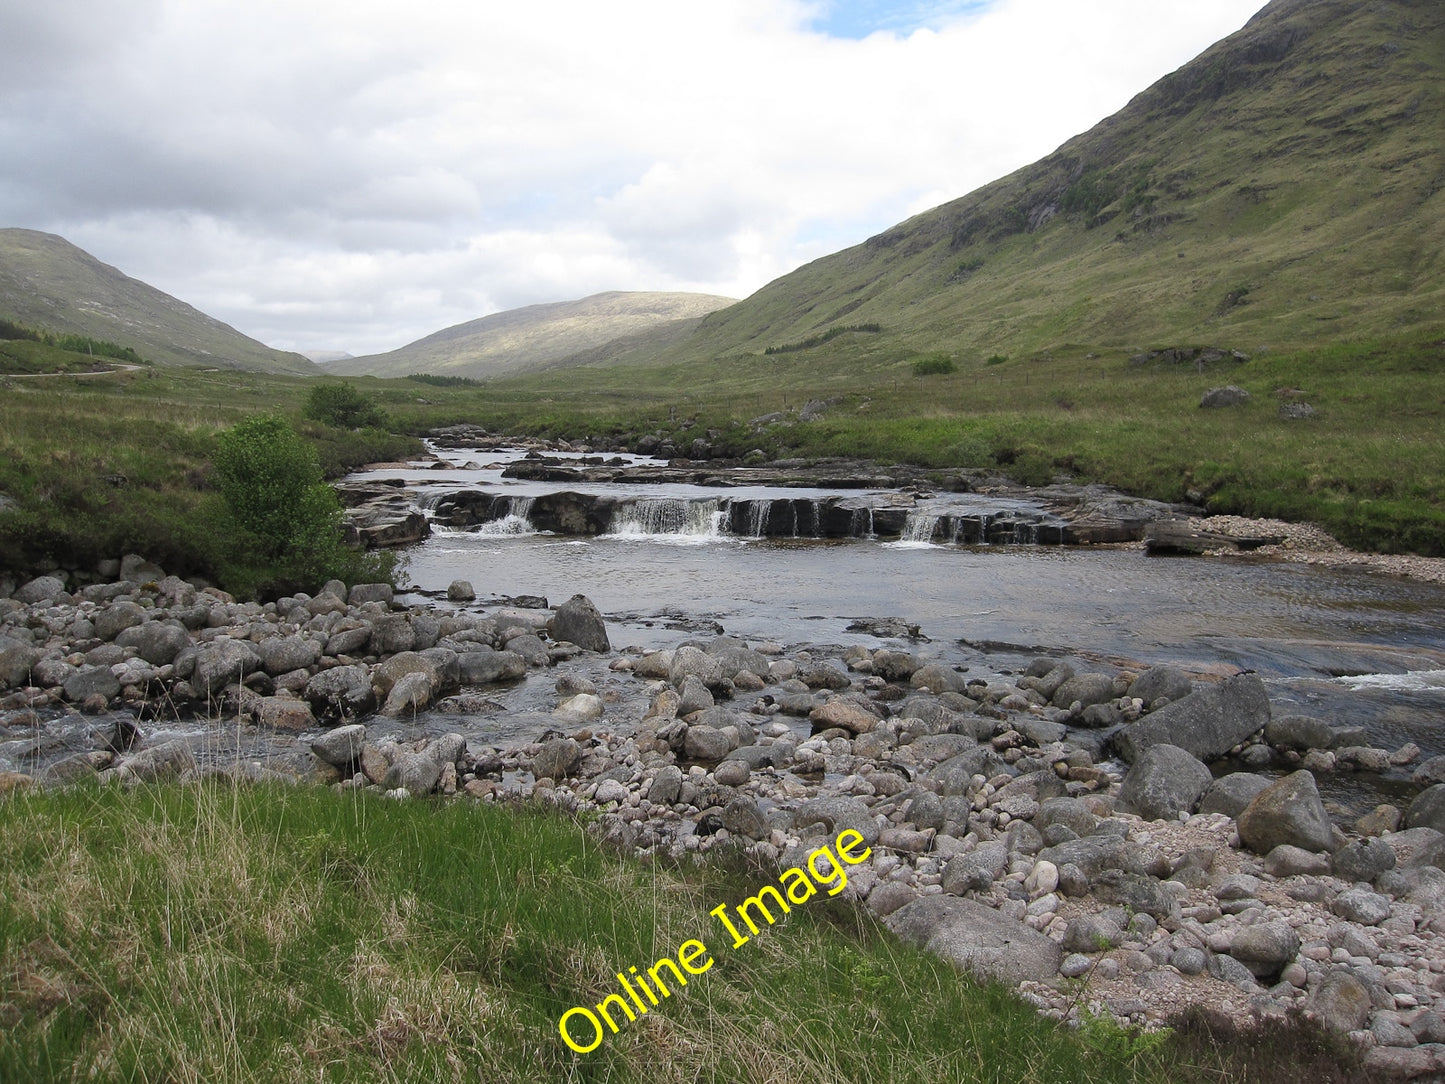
x=363, y=593
x=1164, y=782
x=340, y=747
x=17, y=660
x=460, y=591
x=556, y=758
x=158, y=642
x=114, y=619
x=488, y=666
x=1231, y=794
x=416, y=773
x=693, y=695
x=40, y=589
x=689, y=661
x=839, y=712
x=391, y=634
x=413, y=692
x=1161, y=682
x=666, y=786
x=1341, y=1002
x=88, y=681
x=342, y=692
x=743, y=817
x=1265, y=947
x=1227, y=396
x=977, y=938
x=166, y=761
x=283, y=654
x=222, y=663
x=389, y=673
x=706, y=743
x=1092, y=854
x=1363, y=860
x=1287, y=812
x=282, y=713
x=1084, y=689
x=1428, y=809
x=734, y=656
x=578, y=621
x=955, y=775
x=137, y=569
x=1299, y=732
x=1207, y=723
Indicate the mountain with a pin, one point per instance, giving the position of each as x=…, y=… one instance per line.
x=538, y=336
x=1286, y=187
x=46, y=282
x=322, y=357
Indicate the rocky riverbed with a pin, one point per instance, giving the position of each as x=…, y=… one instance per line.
x=1126, y=842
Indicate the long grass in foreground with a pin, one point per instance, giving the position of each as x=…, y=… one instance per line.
x=272, y=934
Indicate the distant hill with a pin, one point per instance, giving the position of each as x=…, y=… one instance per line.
x=46, y=282
x=322, y=357
x=1286, y=187
x=538, y=336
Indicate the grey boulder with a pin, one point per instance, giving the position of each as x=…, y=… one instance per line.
x=977, y=938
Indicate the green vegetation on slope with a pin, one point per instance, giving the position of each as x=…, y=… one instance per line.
x=93, y=467
x=1284, y=189
x=232, y=933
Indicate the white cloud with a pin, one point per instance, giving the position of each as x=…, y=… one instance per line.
x=355, y=175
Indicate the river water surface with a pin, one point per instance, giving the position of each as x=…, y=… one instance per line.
x=1354, y=647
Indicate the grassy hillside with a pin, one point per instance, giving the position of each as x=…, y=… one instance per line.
x=47, y=282
x=94, y=466
x=538, y=336
x=1283, y=189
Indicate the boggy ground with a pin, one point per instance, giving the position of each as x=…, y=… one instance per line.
x=1061, y=831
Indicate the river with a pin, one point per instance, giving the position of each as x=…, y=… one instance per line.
x=1353, y=647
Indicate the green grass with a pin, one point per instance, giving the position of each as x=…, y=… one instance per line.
x=105, y=465
x=284, y=934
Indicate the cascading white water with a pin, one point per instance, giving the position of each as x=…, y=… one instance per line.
x=696, y=520
x=862, y=523
x=758, y=512
x=517, y=521
x=919, y=527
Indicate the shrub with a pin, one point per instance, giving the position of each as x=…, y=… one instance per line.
x=340, y=405
x=281, y=524
x=933, y=364
x=996, y=359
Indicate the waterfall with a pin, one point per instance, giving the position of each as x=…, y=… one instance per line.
x=919, y=527
x=650, y=518
x=517, y=521
x=983, y=521
x=758, y=512
x=862, y=518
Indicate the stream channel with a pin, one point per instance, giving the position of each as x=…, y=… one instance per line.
x=679, y=561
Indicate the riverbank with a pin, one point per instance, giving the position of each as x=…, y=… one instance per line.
x=1307, y=543
x=1083, y=835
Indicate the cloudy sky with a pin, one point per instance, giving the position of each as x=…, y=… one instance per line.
x=355, y=174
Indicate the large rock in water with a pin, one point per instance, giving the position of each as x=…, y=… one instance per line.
x=578, y=621
x=1207, y=723
x=1287, y=812
x=977, y=938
